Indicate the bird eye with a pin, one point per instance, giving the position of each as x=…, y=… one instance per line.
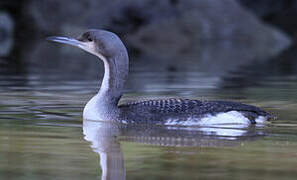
x=90, y=39
x=86, y=37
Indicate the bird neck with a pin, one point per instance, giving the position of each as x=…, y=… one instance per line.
x=115, y=74
x=104, y=105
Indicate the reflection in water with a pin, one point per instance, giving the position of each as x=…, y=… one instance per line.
x=105, y=138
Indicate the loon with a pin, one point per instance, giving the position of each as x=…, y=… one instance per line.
x=105, y=106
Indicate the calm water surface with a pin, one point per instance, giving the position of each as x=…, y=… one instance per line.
x=43, y=136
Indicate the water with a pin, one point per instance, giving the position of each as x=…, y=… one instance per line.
x=43, y=136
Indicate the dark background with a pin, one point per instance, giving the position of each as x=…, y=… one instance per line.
x=240, y=41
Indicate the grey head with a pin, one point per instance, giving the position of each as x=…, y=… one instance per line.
x=104, y=44
x=109, y=48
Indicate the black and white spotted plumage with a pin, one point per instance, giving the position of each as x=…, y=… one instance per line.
x=162, y=109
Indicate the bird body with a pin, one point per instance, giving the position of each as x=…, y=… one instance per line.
x=105, y=105
x=165, y=110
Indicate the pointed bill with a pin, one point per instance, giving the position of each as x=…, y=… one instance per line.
x=66, y=40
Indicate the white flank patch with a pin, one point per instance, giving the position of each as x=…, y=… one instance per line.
x=232, y=117
x=229, y=124
x=261, y=119
x=221, y=119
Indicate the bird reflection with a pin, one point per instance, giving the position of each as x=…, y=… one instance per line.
x=105, y=138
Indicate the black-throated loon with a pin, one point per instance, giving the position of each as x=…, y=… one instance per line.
x=105, y=104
